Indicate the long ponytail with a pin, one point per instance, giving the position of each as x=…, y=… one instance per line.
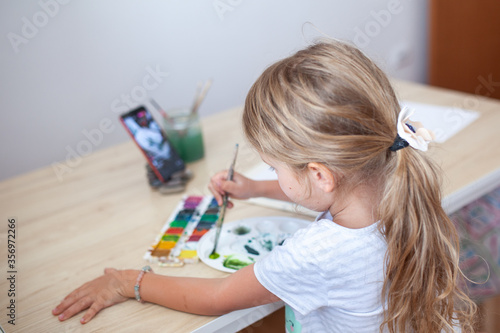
x=422, y=273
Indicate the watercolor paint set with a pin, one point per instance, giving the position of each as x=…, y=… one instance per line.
x=178, y=240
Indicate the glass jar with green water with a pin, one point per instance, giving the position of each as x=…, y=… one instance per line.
x=183, y=129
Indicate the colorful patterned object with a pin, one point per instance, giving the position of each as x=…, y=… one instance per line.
x=177, y=242
x=478, y=226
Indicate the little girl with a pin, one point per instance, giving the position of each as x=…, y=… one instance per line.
x=382, y=255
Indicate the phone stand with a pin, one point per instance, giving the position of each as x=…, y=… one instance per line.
x=177, y=183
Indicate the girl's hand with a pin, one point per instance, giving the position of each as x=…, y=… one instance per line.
x=105, y=291
x=240, y=187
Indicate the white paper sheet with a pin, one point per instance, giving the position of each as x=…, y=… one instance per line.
x=442, y=120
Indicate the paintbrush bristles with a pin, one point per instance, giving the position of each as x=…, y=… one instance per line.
x=200, y=96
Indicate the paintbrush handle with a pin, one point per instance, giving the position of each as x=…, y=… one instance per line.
x=201, y=96
x=230, y=173
x=160, y=109
x=225, y=199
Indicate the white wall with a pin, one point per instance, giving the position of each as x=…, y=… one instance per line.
x=66, y=66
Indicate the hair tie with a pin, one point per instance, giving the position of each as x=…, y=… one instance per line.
x=399, y=143
x=411, y=133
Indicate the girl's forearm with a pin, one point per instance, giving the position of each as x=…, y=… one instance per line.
x=193, y=295
x=199, y=295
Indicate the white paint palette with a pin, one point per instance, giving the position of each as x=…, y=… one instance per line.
x=247, y=240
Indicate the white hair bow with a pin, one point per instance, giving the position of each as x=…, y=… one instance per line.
x=413, y=132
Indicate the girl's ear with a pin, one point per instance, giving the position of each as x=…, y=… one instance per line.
x=321, y=176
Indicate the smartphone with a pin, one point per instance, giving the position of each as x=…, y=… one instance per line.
x=152, y=141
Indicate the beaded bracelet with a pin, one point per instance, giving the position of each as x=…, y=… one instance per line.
x=144, y=270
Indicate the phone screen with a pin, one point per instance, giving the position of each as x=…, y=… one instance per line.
x=153, y=142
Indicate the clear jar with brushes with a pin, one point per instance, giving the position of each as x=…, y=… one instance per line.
x=183, y=130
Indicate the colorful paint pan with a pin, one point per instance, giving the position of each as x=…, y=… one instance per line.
x=194, y=238
x=178, y=224
x=205, y=225
x=188, y=254
x=165, y=245
x=175, y=230
x=178, y=240
x=209, y=218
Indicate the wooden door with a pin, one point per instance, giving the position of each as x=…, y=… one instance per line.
x=465, y=46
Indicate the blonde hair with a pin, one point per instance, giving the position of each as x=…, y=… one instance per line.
x=330, y=104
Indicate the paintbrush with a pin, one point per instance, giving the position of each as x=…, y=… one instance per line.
x=196, y=96
x=220, y=220
x=160, y=109
x=200, y=96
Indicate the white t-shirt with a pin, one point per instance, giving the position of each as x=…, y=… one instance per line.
x=329, y=276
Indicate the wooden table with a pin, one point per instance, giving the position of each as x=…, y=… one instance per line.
x=104, y=214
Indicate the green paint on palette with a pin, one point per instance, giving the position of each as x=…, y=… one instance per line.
x=173, y=238
x=241, y=230
x=237, y=261
x=267, y=244
x=178, y=224
x=251, y=250
x=209, y=218
x=214, y=255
